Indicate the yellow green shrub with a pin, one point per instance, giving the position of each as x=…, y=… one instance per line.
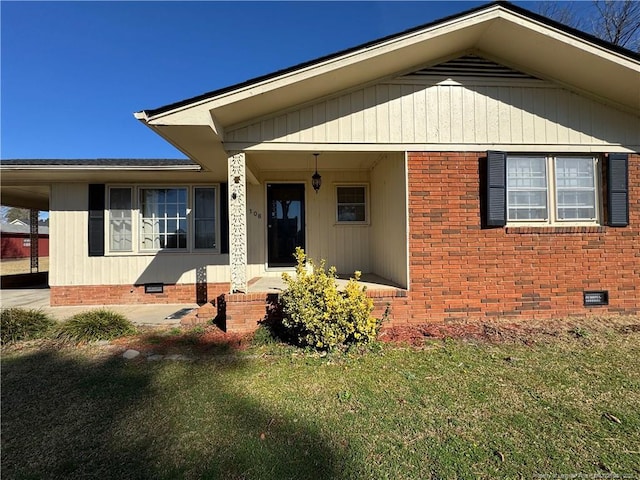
x=316, y=314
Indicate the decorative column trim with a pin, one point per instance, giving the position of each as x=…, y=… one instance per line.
x=33, y=237
x=238, y=222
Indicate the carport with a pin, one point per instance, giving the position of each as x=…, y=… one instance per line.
x=18, y=190
x=36, y=199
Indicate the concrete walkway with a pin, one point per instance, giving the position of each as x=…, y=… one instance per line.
x=156, y=315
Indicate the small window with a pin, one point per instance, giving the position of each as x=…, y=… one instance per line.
x=120, y=232
x=204, y=217
x=352, y=204
x=163, y=218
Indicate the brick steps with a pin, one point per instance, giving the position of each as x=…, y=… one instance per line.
x=205, y=314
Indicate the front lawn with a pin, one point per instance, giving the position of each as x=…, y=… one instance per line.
x=550, y=406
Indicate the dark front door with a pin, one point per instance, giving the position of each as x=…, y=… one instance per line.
x=285, y=222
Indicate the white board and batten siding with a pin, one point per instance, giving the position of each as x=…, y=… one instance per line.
x=71, y=264
x=431, y=109
x=347, y=247
x=389, y=219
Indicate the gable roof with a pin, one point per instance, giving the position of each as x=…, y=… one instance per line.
x=503, y=4
x=22, y=228
x=510, y=35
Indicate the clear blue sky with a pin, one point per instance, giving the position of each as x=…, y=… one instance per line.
x=73, y=73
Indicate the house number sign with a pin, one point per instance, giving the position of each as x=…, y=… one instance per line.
x=254, y=213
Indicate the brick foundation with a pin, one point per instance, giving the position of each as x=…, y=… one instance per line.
x=243, y=313
x=130, y=294
x=460, y=270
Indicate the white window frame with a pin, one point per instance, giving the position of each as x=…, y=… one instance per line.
x=140, y=189
x=136, y=220
x=366, y=220
x=107, y=218
x=552, y=200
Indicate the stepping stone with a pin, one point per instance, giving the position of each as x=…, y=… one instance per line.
x=129, y=354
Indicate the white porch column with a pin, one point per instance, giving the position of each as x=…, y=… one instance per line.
x=238, y=222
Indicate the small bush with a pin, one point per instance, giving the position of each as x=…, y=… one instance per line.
x=96, y=325
x=263, y=336
x=21, y=324
x=317, y=315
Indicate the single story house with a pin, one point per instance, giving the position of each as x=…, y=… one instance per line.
x=483, y=165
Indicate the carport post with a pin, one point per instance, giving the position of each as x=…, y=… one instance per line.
x=33, y=235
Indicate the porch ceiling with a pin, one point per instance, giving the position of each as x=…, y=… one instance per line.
x=25, y=196
x=297, y=161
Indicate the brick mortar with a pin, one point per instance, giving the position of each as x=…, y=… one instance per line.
x=129, y=294
x=459, y=270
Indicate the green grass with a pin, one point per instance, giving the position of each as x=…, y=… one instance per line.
x=451, y=409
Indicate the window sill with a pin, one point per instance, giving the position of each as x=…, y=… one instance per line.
x=153, y=253
x=554, y=230
x=351, y=224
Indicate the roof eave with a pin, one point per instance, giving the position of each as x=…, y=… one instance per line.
x=89, y=168
x=264, y=84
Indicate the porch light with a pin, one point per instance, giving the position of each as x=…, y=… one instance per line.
x=316, y=179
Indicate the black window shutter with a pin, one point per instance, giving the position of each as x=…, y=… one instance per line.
x=224, y=218
x=496, y=189
x=96, y=220
x=618, y=190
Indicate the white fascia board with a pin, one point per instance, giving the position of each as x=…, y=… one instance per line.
x=430, y=147
x=89, y=168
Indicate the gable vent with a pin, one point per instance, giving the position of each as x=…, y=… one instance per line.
x=470, y=66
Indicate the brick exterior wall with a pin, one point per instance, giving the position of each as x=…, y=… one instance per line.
x=460, y=270
x=130, y=294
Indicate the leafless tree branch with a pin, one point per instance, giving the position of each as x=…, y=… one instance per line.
x=616, y=21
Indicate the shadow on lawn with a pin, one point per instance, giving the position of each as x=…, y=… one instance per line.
x=68, y=417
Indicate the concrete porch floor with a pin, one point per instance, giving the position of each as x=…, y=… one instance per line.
x=277, y=285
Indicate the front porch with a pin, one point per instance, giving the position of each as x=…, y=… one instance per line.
x=271, y=284
x=355, y=221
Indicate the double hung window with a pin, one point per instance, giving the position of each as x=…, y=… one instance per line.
x=550, y=189
x=351, y=204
